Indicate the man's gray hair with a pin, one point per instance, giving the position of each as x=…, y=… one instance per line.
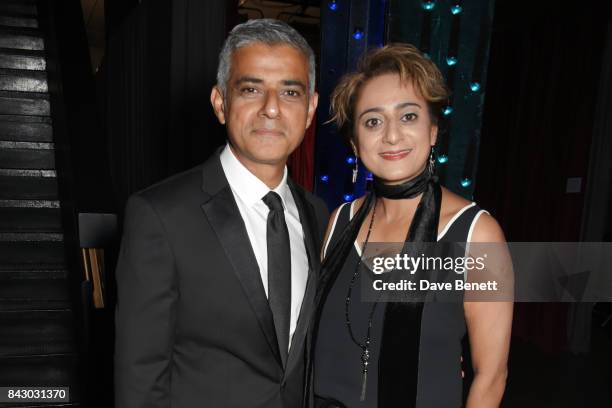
x=267, y=31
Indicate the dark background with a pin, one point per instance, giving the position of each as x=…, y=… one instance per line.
x=129, y=84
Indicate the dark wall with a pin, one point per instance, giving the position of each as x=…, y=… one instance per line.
x=543, y=81
x=160, y=66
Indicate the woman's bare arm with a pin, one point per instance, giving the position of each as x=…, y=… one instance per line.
x=489, y=326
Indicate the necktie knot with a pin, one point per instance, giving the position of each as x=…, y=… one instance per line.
x=273, y=201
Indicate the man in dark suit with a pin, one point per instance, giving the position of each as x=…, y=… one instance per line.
x=218, y=265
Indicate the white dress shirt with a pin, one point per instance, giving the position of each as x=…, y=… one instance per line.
x=248, y=192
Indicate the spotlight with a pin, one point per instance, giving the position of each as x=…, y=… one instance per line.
x=456, y=9
x=466, y=182
x=429, y=5
x=333, y=6
x=475, y=86
x=450, y=61
x=442, y=158
x=358, y=34
x=324, y=178
x=350, y=160
x=447, y=111
x=348, y=197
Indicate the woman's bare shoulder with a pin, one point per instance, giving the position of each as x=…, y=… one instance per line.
x=451, y=203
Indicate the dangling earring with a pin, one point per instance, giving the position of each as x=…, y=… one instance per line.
x=432, y=161
x=356, y=169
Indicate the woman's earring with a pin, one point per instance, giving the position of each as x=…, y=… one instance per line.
x=432, y=161
x=355, y=170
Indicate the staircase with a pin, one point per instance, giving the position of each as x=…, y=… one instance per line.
x=37, y=331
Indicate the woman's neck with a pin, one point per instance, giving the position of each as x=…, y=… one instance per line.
x=395, y=210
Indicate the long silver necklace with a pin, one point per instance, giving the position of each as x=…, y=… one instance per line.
x=365, y=344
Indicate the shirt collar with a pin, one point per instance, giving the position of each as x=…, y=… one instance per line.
x=245, y=184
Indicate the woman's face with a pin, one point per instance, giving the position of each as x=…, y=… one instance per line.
x=393, y=129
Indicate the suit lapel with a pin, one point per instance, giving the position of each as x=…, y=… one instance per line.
x=309, y=227
x=226, y=221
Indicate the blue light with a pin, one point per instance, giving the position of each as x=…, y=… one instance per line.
x=358, y=34
x=348, y=197
x=324, y=178
x=447, y=111
x=456, y=9
x=429, y=5
x=350, y=160
x=450, y=61
x=333, y=6
x=475, y=86
x=442, y=158
x=369, y=177
x=466, y=182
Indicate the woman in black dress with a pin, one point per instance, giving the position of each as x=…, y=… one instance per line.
x=403, y=354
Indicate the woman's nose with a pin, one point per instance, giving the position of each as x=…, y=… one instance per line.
x=391, y=134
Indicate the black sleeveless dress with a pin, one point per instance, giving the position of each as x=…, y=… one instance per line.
x=431, y=339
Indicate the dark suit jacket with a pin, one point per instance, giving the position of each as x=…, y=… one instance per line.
x=194, y=328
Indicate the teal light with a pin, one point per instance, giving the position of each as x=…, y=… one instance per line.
x=442, y=159
x=475, y=86
x=450, y=61
x=429, y=5
x=447, y=111
x=466, y=182
x=456, y=9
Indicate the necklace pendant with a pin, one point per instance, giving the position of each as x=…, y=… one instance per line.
x=364, y=382
x=365, y=357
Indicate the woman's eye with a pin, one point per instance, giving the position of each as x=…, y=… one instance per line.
x=409, y=117
x=372, y=122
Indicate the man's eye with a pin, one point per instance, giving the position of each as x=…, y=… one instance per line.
x=248, y=90
x=409, y=117
x=292, y=93
x=373, y=122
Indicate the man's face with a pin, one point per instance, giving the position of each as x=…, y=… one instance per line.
x=266, y=108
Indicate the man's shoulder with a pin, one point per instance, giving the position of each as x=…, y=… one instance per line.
x=316, y=201
x=175, y=187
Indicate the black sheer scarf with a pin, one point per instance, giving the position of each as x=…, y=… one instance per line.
x=398, y=362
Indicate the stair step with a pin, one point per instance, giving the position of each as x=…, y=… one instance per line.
x=18, y=21
x=40, y=371
x=30, y=219
x=22, y=38
x=26, y=128
x=32, y=252
x=17, y=59
x=18, y=7
x=27, y=155
x=24, y=103
x=30, y=286
x=36, y=332
x=29, y=204
x=28, y=188
x=23, y=80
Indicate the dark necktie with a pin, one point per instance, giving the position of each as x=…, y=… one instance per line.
x=279, y=270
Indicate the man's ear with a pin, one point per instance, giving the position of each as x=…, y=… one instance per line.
x=313, y=101
x=218, y=103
